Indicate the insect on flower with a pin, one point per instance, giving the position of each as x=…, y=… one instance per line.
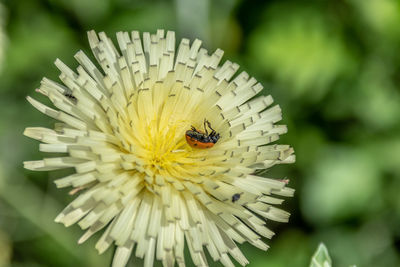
x=235, y=197
x=70, y=97
x=124, y=128
x=198, y=139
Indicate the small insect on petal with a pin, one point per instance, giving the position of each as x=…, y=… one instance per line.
x=235, y=197
x=71, y=97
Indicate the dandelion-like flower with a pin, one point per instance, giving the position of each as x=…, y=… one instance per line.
x=130, y=131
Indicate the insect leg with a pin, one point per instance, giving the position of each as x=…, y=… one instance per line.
x=213, y=132
x=205, y=127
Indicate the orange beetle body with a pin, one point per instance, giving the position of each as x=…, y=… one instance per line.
x=193, y=142
x=198, y=139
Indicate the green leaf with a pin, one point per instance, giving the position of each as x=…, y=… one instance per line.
x=321, y=257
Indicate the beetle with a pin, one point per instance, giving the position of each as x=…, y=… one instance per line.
x=235, y=197
x=198, y=139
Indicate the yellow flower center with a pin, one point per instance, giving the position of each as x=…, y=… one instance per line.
x=164, y=146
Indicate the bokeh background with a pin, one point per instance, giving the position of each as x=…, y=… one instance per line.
x=332, y=65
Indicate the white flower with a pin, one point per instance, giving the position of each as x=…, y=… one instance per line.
x=123, y=129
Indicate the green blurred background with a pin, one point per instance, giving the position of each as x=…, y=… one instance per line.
x=332, y=65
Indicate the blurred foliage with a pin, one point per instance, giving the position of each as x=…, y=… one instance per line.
x=304, y=37
x=3, y=40
x=332, y=65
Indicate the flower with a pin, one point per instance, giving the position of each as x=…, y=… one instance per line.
x=123, y=129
